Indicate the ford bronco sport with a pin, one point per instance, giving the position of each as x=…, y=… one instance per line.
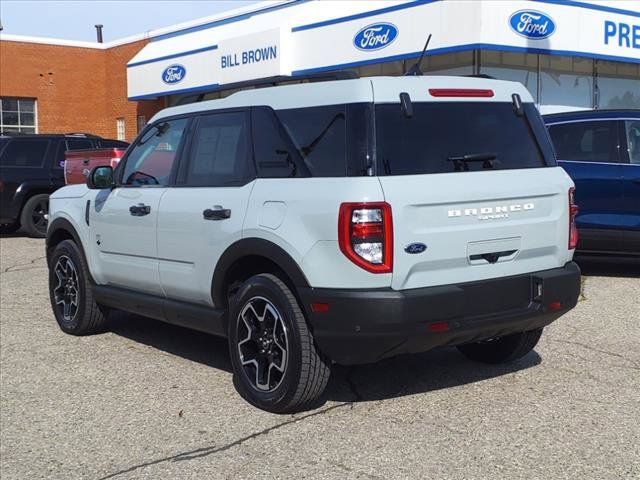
x=344, y=222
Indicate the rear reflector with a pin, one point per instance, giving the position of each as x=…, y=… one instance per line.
x=554, y=306
x=318, y=307
x=438, y=327
x=460, y=92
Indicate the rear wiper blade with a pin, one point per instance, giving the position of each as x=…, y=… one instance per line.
x=460, y=162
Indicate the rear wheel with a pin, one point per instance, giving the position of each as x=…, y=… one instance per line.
x=35, y=216
x=503, y=349
x=70, y=291
x=276, y=364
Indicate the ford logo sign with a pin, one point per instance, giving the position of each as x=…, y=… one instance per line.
x=173, y=74
x=414, y=248
x=532, y=24
x=376, y=36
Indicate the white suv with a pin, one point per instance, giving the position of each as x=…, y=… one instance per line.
x=343, y=221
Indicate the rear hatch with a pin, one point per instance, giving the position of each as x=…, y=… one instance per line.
x=477, y=185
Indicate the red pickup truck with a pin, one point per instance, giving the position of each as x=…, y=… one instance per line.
x=78, y=163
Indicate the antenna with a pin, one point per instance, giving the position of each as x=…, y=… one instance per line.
x=415, y=69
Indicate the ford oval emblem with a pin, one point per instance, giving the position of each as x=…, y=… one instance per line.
x=173, y=74
x=375, y=36
x=414, y=248
x=532, y=24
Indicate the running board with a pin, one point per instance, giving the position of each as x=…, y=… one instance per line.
x=184, y=314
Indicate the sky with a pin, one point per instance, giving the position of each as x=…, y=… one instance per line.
x=75, y=20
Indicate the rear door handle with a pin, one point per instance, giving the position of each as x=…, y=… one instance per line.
x=216, y=213
x=139, y=210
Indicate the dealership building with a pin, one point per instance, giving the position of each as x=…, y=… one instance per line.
x=569, y=54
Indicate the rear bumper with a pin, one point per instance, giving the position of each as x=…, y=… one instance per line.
x=363, y=326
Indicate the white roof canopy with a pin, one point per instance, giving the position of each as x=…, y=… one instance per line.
x=301, y=37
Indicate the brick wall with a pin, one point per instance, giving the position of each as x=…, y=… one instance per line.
x=77, y=89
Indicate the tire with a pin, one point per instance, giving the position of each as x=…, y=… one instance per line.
x=504, y=349
x=9, y=228
x=34, y=216
x=69, y=288
x=268, y=330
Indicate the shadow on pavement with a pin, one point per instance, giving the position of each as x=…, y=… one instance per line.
x=391, y=378
x=609, y=266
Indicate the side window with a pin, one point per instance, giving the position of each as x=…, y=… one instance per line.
x=151, y=159
x=25, y=152
x=586, y=141
x=319, y=134
x=79, y=144
x=276, y=156
x=632, y=128
x=219, y=153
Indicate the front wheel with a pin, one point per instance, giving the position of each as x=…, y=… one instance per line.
x=71, y=294
x=276, y=364
x=503, y=349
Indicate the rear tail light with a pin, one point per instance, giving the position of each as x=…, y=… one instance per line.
x=573, y=212
x=365, y=235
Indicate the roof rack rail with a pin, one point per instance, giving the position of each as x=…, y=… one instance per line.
x=480, y=75
x=81, y=134
x=272, y=82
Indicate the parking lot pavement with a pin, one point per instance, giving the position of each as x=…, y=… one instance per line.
x=149, y=400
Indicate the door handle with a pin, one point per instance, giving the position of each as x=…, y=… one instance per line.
x=216, y=213
x=139, y=210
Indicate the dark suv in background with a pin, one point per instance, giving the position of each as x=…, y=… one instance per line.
x=600, y=150
x=31, y=168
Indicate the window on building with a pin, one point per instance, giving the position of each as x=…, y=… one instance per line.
x=586, y=141
x=618, y=84
x=566, y=83
x=141, y=122
x=515, y=67
x=17, y=115
x=120, y=130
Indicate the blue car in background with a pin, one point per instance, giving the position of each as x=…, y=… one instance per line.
x=600, y=150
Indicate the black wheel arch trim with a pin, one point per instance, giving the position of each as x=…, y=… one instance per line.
x=62, y=224
x=254, y=247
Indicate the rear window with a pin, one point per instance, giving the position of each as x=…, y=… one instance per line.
x=438, y=135
x=23, y=152
x=107, y=143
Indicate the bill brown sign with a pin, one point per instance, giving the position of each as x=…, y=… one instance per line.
x=260, y=55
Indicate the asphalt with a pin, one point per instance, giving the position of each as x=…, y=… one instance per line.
x=149, y=400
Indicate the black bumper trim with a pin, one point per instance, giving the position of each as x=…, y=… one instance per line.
x=363, y=326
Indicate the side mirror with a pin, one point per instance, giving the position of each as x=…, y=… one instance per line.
x=100, y=177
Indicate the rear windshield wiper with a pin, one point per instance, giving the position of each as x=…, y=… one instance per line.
x=460, y=162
